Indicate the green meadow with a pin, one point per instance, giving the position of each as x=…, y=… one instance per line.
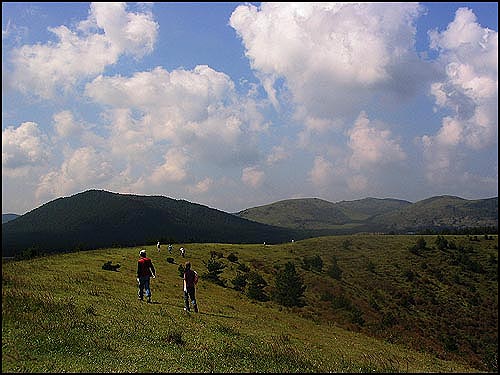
x=386, y=309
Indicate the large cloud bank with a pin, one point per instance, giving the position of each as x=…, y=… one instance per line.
x=333, y=71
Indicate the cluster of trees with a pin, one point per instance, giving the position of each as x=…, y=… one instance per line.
x=288, y=289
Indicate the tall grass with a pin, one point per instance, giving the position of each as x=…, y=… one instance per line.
x=63, y=313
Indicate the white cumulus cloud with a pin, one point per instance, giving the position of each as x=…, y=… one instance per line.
x=322, y=172
x=469, y=55
x=23, y=147
x=331, y=56
x=252, y=176
x=65, y=124
x=44, y=69
x=173, y=169
x=84, y=168
x=372, y=145
x=196, y=110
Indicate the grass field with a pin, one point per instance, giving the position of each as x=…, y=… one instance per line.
x=63, y=313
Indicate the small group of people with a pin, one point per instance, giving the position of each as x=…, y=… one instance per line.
x=170, y=247
x=146, y=271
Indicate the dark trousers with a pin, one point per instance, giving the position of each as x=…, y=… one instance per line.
x=190, y=293
x=144, y=287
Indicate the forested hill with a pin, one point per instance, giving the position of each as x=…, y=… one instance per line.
x=97, y=218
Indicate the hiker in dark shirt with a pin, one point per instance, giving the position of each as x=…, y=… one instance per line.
x=190, y=281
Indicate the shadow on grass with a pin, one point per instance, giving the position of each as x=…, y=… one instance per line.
x=181, y=307
x=149, y=303
x=212, y=314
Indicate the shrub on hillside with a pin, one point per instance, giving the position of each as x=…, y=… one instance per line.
x=314, y=263
x=240, y=281
x=356, y=316
x=441, y=243
x=29, y=253
x=181, y=270
x=289, y=287
x=216, y=254
x=334, y=270
x=243, y=267
x=420, y=246
x=370, y=266
x=214, y=269
x=341, y=302
x=346, y=244
x=255, y=287
x=110, y=267
x=388, y=320
x=175, y=337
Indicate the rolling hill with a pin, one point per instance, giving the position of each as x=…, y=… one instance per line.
x=377, y=215
x=442, y=212
x=310, y=213
x=318, y=214
x=97, y=218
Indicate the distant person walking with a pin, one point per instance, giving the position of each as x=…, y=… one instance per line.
x=183, y=252
x=170, y=247
x=145, y=270
x=190, y=281
x=158, y=246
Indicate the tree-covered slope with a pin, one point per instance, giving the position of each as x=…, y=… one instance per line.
x=97, y=218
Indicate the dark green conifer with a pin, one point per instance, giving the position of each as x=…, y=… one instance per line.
x=289, y=287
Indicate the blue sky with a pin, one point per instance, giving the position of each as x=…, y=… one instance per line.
x=236, y=105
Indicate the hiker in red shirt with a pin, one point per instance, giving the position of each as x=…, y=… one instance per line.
x=145, y=270
x=190, y=280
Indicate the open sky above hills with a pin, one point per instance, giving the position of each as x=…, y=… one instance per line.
x=236, y=105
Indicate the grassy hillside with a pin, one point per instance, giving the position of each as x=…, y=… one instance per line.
x=63, y=313
x=318, y=214
x=321, y=217
x=363, y=209
x=307, y=213
x=444, y=211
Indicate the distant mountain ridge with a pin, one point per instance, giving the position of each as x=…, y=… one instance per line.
x=9, y=217
x=317, y=214
x=98, y=218
x=375, y=214
x=441, y=212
